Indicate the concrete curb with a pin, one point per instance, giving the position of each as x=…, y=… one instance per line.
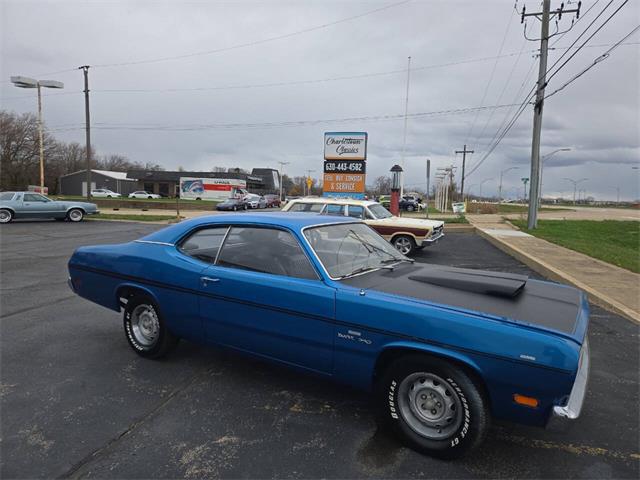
x=556, y=274
x=458, y=228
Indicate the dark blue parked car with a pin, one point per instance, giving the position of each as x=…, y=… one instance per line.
x=443, y=349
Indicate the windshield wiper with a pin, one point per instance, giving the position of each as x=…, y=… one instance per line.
x=356, y=272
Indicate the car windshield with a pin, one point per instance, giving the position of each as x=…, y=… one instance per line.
x=6, y=195
x=231, y=200
x=379, y=211
x=349, y=249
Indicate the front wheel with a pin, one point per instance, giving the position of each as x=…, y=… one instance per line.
x=404, y=244
x=410, y=208
x=149, y=197
x=5, y=215
x=75, y=215
x=145, y=330
x=433, y=406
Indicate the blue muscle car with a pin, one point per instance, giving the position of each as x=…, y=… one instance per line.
x=443, y=350
x=33, y=205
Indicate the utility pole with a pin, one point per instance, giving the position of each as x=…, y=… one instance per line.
x=464, y=152
x=404, y=138
x=428, y=181
x=85, y=70
x=534, y=186
x=282, y=164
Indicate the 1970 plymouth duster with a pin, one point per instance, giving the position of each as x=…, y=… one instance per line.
x=444, y=350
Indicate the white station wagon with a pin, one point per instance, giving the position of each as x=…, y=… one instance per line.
x=406, y=234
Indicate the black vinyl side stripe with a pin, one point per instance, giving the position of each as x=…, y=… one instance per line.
x=311, y=316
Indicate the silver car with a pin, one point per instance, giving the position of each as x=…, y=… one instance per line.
x=33, y=205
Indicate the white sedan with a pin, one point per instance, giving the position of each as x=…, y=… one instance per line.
x=104, y=193
x=143, y=194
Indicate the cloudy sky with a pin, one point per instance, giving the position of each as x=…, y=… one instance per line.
x=200, y=84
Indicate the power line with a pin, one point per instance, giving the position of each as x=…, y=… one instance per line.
x=595, y=62
x=493, y=71
x=586, y=41
x=530, y=95
x=504, y=89
x=299, y=82
x=294, y=123
x=255, y=42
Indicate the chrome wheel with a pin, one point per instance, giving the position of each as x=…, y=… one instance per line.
x=75, y=215
x=403, y=245
x=5, y=216
x=430, y=405
x=145, y=325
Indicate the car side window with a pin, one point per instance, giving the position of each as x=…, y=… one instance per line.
x=32, y=197
x=368, y=215
x=265, y=250
x=356, y=211
x=333, y=209
x=306, y=207
x=204, y=244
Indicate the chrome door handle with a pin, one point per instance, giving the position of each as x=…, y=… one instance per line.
x=206, y=280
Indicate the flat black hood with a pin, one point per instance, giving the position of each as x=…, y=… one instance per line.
x=507, y=295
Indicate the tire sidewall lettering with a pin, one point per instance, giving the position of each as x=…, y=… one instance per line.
x=462, y=432
x=129, y=329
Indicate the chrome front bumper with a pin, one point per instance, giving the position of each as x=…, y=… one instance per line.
x=433, y=239
x=576, y=399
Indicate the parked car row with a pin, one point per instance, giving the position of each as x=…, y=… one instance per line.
x=408, y=203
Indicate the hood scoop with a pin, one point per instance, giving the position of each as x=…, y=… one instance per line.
x=477, y=281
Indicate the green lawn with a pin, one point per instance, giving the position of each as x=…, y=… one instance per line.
x=136, y=217
x=616, y=242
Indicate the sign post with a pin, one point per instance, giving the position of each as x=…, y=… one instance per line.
x=345, y=155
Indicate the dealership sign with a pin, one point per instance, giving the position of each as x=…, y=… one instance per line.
x=345, y=146
x=344, y=164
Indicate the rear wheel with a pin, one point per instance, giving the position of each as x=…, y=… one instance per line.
x=75, y=215
x=404, y=244
x=434, y=406
x=5, y=215
x=149, y=197
x=145, y=330
x=410, y=208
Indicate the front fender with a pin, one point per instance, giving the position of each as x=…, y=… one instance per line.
x=391, y=349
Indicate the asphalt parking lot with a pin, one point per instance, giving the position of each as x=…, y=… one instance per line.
x=77, y=402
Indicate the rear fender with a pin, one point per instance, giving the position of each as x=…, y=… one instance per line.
x=128, y=286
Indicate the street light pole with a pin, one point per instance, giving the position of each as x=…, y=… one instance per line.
x=26, y=82
x=282, y=164
x=502, y=172
x=482, y=183
x=544, y=159
x=575, y=186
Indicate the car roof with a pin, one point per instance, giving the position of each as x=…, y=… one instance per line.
x=294, y=221
x=339, y=201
